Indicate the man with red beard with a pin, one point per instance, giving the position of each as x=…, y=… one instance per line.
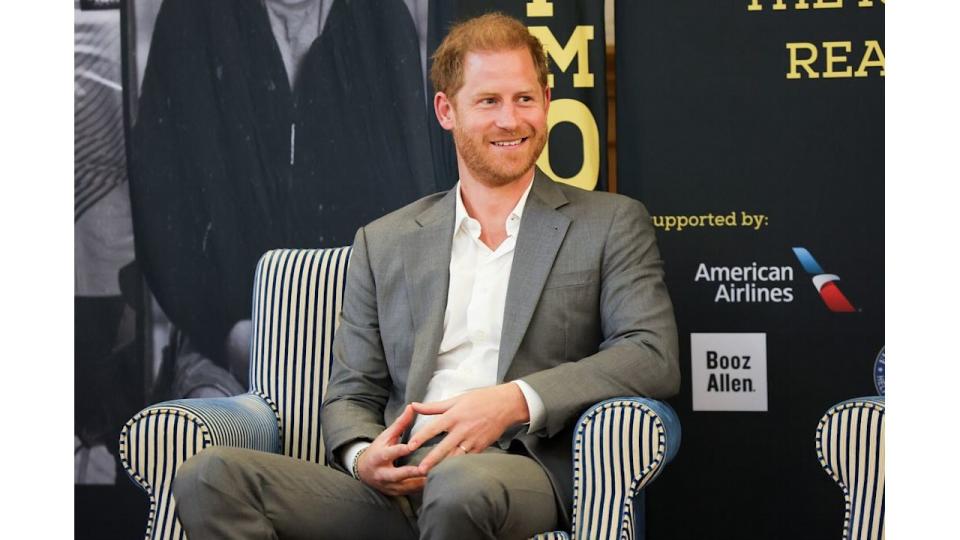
x=477, y=325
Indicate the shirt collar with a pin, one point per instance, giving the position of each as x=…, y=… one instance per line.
x=513, y=219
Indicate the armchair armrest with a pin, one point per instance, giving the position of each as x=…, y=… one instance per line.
x=620, y=446
x=159, y=439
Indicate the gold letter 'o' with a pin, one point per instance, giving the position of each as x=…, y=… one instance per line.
x=578, y=114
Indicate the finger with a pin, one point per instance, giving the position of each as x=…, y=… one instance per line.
x=399, y=425
x=434, y=407
x=412, y=485
x=429, y=431
x=395, y=452
x=398, y=474
x=408, y=486
x=438, y=454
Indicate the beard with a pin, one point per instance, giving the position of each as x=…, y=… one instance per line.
x=481, y=157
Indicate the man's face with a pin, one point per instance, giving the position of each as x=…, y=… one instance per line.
x=498, y=117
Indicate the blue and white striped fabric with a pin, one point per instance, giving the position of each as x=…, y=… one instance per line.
x=297, y=299
x=296, y=302
x=555, y=535
x=621, y=444
x=155, y=442
x=850, y=447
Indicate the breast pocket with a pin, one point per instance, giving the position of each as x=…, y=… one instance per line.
x=566, y=315
x=570, y=279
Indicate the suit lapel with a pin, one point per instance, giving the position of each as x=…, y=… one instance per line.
x=426, y=268
x=542, y=230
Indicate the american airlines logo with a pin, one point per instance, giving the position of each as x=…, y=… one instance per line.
x=774, y=284
x=753, y=283
x=825, y=283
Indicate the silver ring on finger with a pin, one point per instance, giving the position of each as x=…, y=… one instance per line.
x=465, y=450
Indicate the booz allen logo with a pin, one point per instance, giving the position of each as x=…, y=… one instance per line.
x=825, y=283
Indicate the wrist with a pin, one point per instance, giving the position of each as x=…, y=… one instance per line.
x=355, y=468
x=521, y=412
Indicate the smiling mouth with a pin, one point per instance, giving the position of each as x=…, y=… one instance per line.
x=509, y=144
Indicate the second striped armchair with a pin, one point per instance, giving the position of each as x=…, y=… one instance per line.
x=850, y=447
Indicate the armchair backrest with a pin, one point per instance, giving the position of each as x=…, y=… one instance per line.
x=297, y=296
x=850, y=447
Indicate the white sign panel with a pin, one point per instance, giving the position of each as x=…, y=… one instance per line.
x=729, y=372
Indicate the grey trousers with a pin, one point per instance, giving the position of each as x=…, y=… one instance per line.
x=233, y=493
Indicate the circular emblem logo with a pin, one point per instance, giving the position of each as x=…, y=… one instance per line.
x=879, y=372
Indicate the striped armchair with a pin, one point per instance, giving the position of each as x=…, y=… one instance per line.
x=620, y=445
x=850, y=447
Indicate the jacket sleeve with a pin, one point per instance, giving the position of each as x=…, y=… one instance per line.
x=360, y=383
x=639, y=351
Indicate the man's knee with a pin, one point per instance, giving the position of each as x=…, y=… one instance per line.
x=206, y=473
x=457, y=489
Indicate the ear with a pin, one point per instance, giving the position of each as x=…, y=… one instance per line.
x=546, y=99
x=443, y=107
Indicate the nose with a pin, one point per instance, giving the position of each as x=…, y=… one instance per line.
x=507, y=117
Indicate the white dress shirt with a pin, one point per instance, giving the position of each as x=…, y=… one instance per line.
x=472, y=322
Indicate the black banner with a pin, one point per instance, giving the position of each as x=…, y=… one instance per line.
x=754, y=132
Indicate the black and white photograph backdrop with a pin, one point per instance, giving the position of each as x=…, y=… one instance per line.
x=208, y=133
x=107, y=291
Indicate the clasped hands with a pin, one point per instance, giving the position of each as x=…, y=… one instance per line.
x=472, y=421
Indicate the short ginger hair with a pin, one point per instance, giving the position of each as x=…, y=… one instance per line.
x=486, y=33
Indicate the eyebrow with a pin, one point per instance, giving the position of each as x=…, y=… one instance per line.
x=481, y=95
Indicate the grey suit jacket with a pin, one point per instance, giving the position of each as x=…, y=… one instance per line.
x=587, y=317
